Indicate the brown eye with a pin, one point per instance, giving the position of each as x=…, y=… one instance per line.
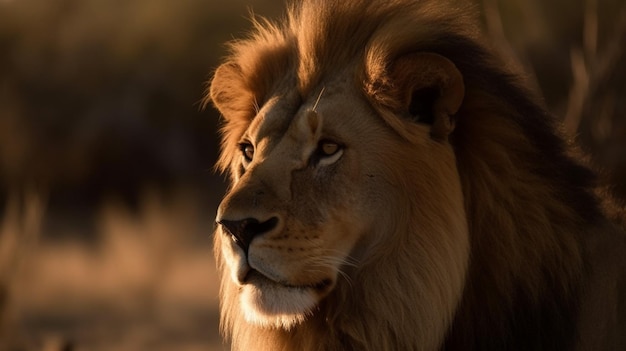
x=328, y=152
x=328, y=148
x=247, y=150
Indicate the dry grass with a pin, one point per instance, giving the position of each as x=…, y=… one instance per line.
x=149, y=284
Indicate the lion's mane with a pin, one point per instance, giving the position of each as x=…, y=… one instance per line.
x=543, y=257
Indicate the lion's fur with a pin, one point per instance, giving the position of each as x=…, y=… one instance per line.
x=542, y=252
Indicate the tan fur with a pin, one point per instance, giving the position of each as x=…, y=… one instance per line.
x=480, y=231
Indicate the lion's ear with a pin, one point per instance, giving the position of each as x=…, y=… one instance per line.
x=429, y=88
x=229, y=93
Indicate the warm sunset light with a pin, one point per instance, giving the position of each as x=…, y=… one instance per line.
x=111, y=174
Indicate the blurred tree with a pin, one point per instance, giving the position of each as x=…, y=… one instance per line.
x=101, y=97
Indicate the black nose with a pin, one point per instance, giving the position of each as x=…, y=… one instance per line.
x=243, y=231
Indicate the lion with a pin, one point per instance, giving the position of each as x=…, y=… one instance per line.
x=394, y=185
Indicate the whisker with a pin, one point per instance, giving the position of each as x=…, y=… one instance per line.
x=336, y=262
x=256, y=106
x=318, y=99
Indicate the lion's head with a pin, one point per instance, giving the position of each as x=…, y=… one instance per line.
x=322, y=183
x=362, y=140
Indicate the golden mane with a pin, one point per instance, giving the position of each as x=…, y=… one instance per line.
x=536, y=226
x=320, y=37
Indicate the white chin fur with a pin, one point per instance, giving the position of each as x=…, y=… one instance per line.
x=272, y=305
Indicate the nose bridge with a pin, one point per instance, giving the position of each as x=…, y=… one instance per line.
x=265, y=187
x=258, y=194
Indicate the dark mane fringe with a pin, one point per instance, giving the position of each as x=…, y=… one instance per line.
x=483, y=322
x=554, y=161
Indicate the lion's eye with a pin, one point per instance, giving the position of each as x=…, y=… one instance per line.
x=328, y=148
x=328, y=152
x=247, y=150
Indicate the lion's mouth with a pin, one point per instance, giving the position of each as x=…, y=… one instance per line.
x=259, y=279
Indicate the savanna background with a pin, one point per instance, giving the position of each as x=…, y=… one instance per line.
x=107, y=194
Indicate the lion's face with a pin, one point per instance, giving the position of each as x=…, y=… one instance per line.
x=321, y=186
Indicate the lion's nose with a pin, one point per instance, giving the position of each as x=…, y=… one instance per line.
x=243, y=231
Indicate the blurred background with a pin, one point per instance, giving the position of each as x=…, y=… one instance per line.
x=107, y=191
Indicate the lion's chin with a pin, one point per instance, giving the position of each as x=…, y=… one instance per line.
x=269, y=304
